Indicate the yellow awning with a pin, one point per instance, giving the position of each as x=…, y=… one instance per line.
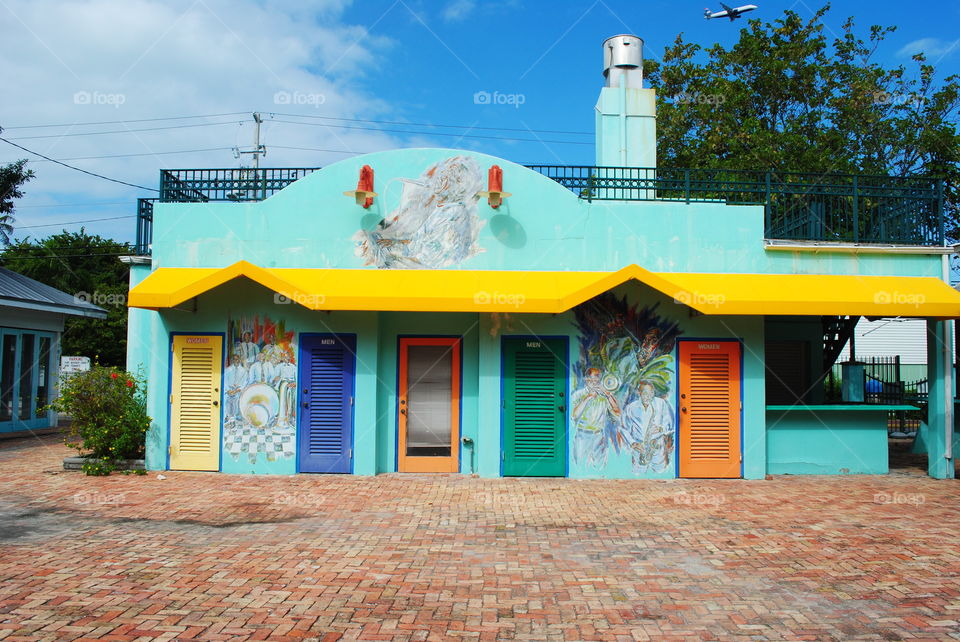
x=552, y=292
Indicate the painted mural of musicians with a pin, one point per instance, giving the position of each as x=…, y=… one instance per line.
x=648, y=424
x=285, y=381
x=248, y=350
x=262, y=370
x=593, y=411
x=234, y=381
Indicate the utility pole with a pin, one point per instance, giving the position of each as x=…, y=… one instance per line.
x=258, y=149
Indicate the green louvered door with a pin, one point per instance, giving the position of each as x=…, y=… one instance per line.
x=534, y=407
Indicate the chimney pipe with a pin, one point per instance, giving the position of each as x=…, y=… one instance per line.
x=623, y=61
x=626, y=113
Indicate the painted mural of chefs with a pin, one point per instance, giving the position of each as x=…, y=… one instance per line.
x=648, y=423
x=594, y=410
x=234, y=381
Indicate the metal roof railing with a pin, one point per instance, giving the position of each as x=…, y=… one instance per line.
x=845, y=208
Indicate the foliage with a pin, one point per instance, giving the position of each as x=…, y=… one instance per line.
x=98, y=467
x=785, y=97
x=109, y=412
x=87, y=267
x=12, y=178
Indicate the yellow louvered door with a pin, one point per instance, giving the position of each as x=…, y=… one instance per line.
x=195, y=403
x=709, y=409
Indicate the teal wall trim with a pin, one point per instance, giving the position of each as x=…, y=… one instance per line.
x=542, y=226
x=938, y=338
x=827, y=442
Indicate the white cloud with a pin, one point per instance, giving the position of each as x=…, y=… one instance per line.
x=458, y=10
x=934, y=48
x=108, y=60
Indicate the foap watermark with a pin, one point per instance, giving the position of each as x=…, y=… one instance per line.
x=297, y=499
x=696, y=98
x=897, y=99
x=306, y=300
x=496, y=98
x=88, y=497
x=714, y=300
x=100, y=298
x=913, y=499
x=514, y=299
x=885, y=297
x=298, y=98
x=699, y=499
x=98, y=98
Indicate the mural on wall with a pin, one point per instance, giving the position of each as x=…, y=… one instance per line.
x=260, y=390
x=437, y=223
x=622, y=386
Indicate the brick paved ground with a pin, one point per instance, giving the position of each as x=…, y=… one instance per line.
x=214, y=557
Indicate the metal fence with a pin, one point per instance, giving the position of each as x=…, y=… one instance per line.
x=237, y=184
x=814, y=207
x=144, y=226
x=798, y=206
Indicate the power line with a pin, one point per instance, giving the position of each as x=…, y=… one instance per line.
x=467, y=127
x=106, y=178
x=95, y=203
x=352, y=120
x=140, y=120
x=401, y=131
x=125, y=131
x=179, y=151
x=317, y=149
x=89, y=220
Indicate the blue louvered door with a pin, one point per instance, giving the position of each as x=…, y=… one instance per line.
x=327, y=366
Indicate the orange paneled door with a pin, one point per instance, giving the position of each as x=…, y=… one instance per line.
x=429, y=405
x=709, y=409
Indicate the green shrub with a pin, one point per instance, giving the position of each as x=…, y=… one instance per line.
x=97, y=467
x=109, y=411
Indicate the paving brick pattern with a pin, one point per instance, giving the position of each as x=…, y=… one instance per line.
x=398, y=557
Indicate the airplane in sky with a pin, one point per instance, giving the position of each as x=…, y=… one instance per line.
x=728, y=12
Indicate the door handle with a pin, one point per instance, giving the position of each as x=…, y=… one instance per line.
x=216, y=403
x=683, y=409
x=403, y=411
x=562, y=408
x=306, y=405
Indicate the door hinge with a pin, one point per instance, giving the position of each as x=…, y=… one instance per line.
x=169, y=450
x=171, y=398
x=503, y=456
x=349, y=453
x=351, y=400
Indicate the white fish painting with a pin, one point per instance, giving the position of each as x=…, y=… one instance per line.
x=437, y=223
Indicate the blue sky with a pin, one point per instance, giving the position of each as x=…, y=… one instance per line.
x=403, y=61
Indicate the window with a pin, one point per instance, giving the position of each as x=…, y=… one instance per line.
x=8, y=361
x=788, y=371
x=43, y=375
x=27, y=362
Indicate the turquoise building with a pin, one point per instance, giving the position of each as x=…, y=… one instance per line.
x=441, y=310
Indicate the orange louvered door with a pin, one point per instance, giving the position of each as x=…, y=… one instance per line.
x=709, y=409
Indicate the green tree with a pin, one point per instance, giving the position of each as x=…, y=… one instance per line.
x=88, y=267
x=786, y=97
x=12, y=178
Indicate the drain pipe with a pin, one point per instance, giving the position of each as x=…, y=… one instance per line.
x=945, y=353
x=469, y=444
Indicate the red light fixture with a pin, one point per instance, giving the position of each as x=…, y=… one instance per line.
x=364, y=193
x=494, y=193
